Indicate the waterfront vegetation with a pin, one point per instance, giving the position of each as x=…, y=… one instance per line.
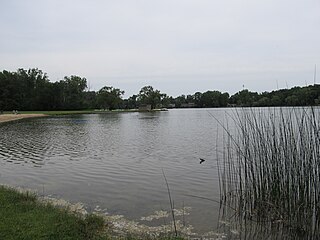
x=270, y=172
x=31, y=90
x=24, y=216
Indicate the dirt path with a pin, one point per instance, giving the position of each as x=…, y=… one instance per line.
x=12, y=117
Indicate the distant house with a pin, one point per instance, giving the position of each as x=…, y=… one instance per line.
x=232, y=105
x=145, y=107
x=188, y=105
x=171, y=105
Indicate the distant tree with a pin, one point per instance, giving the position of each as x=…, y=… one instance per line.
x=190, y=99
x=224, y=99
x=306, y=96
x=9, y=95
x=180, y=100
x=109, y=98
x=214, y=99
x=165, y=100
x=73, y=92
x=132, y=102
x=31, y=90
x=148, y=95
x=90, y=100
x=276, y=101
x=197, y=99
x=40, y=99
x=57, y=96
x=263, y=102
x=210, y=99
x=34, y=88
x=244, y=98
x=292, y=100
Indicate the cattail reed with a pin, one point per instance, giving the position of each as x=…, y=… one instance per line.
x=270, y=167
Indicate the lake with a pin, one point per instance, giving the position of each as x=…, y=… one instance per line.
x=115, y=161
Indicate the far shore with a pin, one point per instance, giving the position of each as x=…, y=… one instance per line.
x=8, y=117
x=14, y=117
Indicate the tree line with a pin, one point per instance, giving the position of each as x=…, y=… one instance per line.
x=31, y=90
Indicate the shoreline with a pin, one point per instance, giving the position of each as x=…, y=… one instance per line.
x=8, y=117
x=14, y=117
x=111, y=226
x=26, y=216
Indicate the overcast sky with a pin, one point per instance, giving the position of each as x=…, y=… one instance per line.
x=177, y=46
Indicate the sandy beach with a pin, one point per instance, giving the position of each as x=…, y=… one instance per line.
x=13, y=117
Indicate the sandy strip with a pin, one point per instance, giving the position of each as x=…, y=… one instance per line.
x=12, y=117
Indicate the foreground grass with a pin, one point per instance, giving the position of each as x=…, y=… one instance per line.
x=22, y=217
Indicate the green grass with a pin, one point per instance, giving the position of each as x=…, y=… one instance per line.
x=23, y=217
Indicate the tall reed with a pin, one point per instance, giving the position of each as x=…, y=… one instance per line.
x=270, y=168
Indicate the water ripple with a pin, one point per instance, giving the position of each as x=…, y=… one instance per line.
x=116, y=160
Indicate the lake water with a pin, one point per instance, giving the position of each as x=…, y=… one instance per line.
x=116, y=161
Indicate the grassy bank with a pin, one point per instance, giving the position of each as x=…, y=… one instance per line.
x=23, y=217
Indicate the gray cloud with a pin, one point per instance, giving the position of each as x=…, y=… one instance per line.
x=179, y=46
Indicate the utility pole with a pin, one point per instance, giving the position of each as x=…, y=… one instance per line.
x=315, y=74
x=89, y=86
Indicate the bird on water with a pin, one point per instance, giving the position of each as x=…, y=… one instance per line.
x=201, y=160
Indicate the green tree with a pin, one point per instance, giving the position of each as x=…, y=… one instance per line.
x=276, y=101
x=90, y=100
x=214, y=99
x=190, y=98
x=73, y=92
x=131, y=102
x=33, y=86
x=197, y=99
x=40, y=99
x=148, y=95
x=9, y=94
x=244, y=98
x=292, y=100
x=109, y=97
x=165, y=100
x=224, y=99
x=180, y=100
x=263, y=102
